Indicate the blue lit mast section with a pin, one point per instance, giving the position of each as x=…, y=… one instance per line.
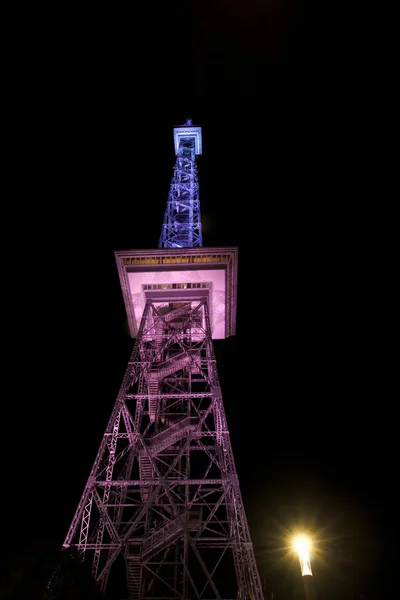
x=182, y=219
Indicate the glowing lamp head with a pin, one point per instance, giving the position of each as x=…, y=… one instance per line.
x=302, y=546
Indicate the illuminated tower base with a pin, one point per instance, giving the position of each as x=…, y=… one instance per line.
x=162, y=511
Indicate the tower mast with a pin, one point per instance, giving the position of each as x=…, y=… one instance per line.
x=162, y=505
x=182, y=223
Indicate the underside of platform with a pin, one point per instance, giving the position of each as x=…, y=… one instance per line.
x=181, y=275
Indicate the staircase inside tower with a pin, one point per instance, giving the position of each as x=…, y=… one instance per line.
x=157, y=540
x=171, y=362
x=164, y=534
x=171, y=425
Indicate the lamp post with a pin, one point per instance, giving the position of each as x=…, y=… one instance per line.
x=302, y=547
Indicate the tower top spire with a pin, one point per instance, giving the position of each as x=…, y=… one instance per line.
x=188, y=136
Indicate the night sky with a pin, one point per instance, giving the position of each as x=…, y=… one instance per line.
x=286, y=175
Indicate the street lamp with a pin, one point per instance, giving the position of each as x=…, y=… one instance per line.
x=302, y=546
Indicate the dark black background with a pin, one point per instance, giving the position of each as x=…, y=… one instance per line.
x=292, y=173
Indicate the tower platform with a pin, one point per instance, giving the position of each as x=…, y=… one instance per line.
x=181, y=275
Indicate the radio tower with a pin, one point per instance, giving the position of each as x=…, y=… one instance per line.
x=162, y=510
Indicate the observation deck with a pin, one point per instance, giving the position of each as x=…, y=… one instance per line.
x=181, y=275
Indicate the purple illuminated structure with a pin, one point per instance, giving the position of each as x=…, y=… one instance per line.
x=182, y=223
x=162, y=504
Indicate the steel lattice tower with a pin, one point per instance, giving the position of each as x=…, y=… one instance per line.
x=162, y=507
x=182, y=223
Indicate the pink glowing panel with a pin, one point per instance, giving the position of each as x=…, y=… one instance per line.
x=215, y=292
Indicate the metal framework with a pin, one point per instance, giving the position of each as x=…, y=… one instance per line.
x=162, y=510
x=182, y=223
